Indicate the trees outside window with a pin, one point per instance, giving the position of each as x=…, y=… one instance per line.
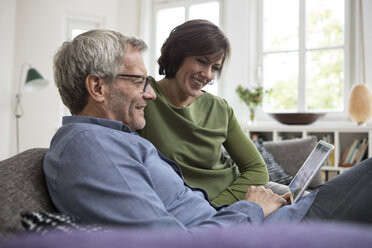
x=303, y=55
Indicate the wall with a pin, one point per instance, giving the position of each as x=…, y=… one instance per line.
x=128, y=17
x=367, y=6
x=239, y=70
x=7, y=27
x=33, y=32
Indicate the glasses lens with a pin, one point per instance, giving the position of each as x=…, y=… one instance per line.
x=146, y=83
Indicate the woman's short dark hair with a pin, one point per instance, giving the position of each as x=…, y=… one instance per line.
x=192, y=38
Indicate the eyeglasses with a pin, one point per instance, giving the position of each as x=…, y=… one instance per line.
x=145, y=79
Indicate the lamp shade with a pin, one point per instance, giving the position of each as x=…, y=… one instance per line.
x=34, y=80
x=360, y=103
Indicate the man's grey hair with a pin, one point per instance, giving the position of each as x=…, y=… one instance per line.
x=96, y=52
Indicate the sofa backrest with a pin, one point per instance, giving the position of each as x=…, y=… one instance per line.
x=22, y=187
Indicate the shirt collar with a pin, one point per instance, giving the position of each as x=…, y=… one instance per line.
x=117, y=125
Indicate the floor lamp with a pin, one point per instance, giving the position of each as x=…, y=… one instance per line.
x=33, y=80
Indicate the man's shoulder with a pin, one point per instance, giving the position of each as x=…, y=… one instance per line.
x=90, y=130
x=94, y=145
x=92, y=136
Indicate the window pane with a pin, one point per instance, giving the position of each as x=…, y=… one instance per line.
x=166, y=20
x=280, y=25
x=208, y=11
x=325, y=23
x=325, y=79
x=281, y=75
x=76, y=31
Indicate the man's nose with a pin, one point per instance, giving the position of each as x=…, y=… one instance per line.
x=149, y=93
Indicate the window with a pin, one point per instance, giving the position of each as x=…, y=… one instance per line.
x=303, y=55
x=75, y=25
x=170, y=14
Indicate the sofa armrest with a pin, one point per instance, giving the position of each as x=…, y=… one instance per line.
x=22, y=187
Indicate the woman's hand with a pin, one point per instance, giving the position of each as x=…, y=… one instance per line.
x=266, y=198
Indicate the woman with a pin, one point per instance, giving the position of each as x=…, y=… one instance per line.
x=191, y=126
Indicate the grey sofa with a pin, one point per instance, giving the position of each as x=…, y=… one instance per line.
x=22, y=187
x=22, y=184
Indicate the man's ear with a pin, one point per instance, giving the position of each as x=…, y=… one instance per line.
x=95, y=87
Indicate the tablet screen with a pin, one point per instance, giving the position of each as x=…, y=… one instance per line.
x=308, y=170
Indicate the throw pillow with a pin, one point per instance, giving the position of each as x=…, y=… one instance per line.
x=298, y=150
x=276, y=171
x=43, y=222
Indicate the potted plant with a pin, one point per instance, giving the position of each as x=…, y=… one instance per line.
x=252, y=97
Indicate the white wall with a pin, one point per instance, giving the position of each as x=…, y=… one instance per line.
x=239, y=69
x=7, y=27
x=367, y=6
x=32, y=31
x=128, y=17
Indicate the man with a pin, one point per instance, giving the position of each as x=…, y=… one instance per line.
x=99, y=169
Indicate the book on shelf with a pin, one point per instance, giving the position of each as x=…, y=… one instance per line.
x=344, y=156
x=331, y=159
x=365, y=155
x=354, y=153
x=362, y=152
x=352, y=148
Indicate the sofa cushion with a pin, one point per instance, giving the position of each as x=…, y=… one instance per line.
x=275, y=170
x=43, y=222
x=320, y=235
x=291, y=154
x=22, y=187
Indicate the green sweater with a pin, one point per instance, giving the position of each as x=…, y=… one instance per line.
x=194, y=137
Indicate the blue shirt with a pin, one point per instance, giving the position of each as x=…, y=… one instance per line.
x=100, y=171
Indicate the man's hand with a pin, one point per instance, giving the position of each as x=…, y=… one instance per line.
x=287, y=197
x=269, y=201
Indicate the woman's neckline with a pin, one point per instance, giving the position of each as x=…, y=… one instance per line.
x=166, y=91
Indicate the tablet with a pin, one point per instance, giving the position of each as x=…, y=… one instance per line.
x=308, y=170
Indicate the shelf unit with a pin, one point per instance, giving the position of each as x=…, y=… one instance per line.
x=340, y=135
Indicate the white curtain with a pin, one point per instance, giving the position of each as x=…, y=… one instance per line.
x=357, y=17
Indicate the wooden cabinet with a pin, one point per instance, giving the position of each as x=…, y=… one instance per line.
x=341, y=135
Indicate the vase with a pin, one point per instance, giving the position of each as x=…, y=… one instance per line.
x=360, y=104
x=252, y=114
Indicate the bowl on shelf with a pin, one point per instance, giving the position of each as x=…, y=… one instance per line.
x=296, y=118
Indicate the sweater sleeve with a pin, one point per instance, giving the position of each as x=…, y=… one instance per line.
x=252, y=168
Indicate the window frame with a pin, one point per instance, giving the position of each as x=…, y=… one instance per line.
x=158, y=5
x=80, y=22
x=244, y=64
x=348, y=46
x=72, y=22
